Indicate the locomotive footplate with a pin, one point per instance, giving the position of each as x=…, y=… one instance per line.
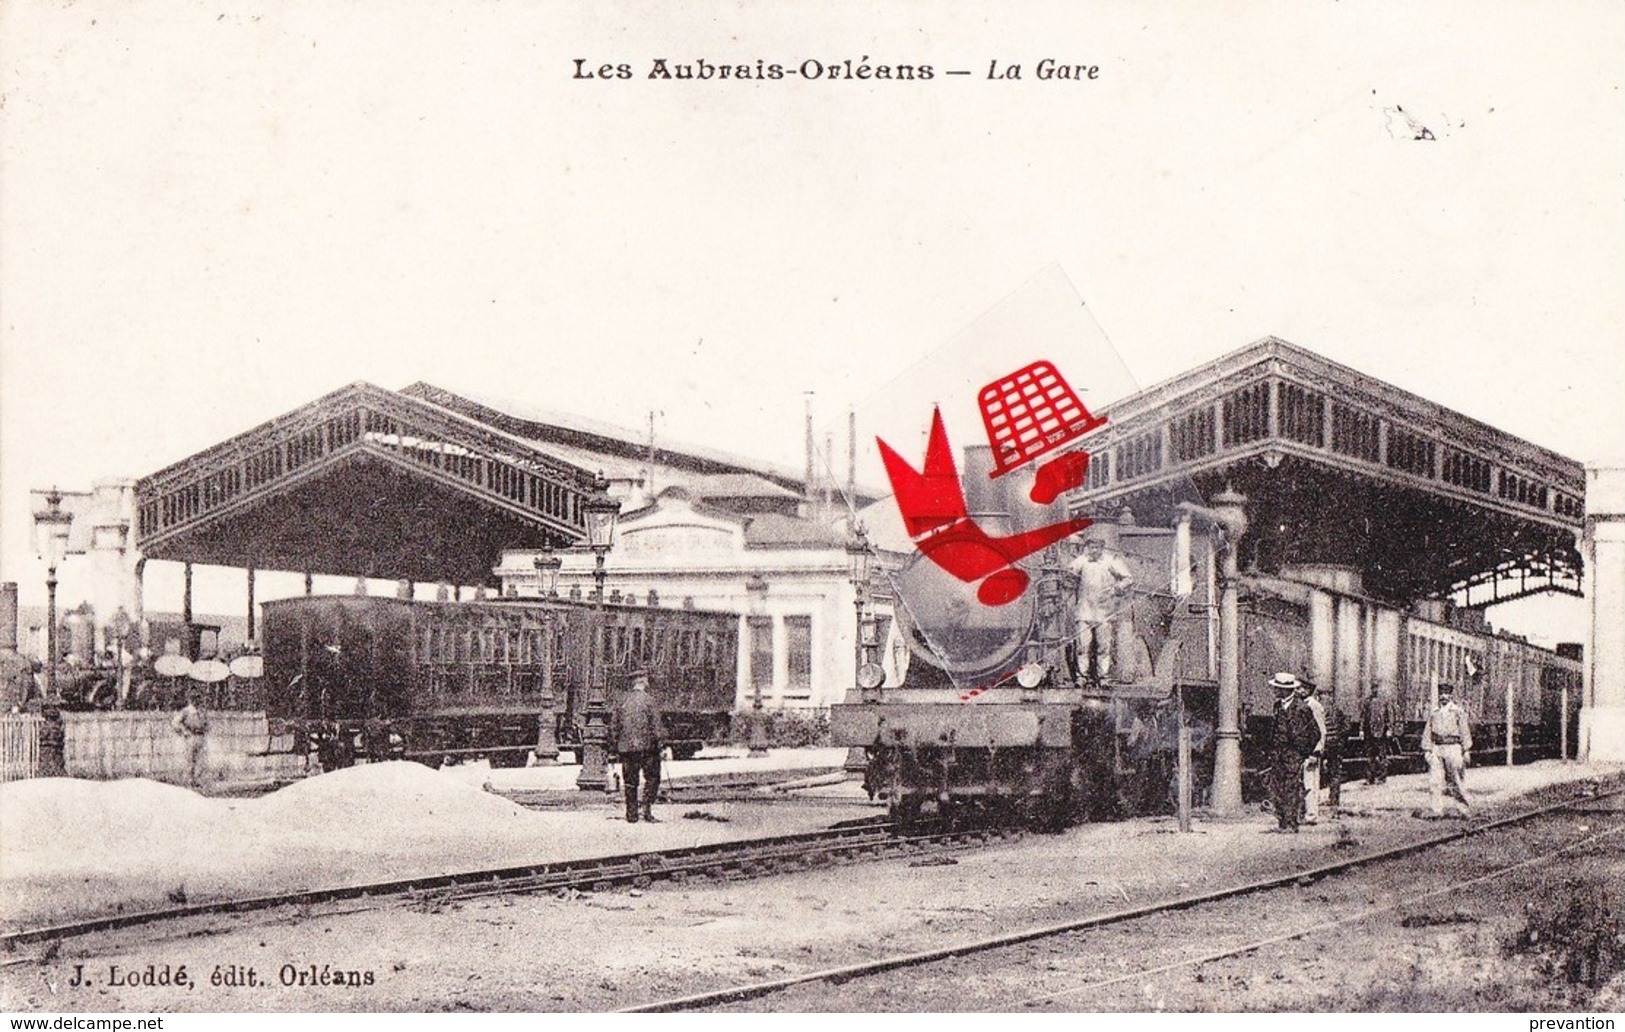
x=989, y=725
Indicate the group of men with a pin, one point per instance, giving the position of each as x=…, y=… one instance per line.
x=1307, y=740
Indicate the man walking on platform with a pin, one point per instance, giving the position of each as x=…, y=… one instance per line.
x=1448, y=743
x=1379, y=723
x=636, y=736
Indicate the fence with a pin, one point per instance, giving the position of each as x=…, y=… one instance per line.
x=128, y=744
x=19, y=745
x=239, y=748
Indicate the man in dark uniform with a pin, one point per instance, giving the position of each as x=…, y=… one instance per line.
x=1380, y=724
x=636, y=736
x=1331, y=764
x=1293, y=737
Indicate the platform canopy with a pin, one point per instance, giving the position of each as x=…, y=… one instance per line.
x=422, y=484
x=364, y=482
x=1340, y=468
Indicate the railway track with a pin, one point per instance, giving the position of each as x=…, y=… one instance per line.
x=852, y=841
x=771, y=786
x=1601, y=802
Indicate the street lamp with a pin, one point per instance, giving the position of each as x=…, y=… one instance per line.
x=547, y=738
x=756, y=590
x=600, y=512
x=548, y=565
x=51, y=526
x=868, y=674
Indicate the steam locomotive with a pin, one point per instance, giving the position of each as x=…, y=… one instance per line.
x=994, y=712
x=397, y=678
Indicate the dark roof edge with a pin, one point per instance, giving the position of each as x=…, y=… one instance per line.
x=682, y=457
x=1274, y=348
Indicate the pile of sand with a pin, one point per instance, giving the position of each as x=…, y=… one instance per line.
x=393, y=794
x=81, y=847
x=73, y=849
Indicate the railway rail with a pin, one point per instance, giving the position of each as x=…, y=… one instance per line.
x=851, y=841
x=764, y=786
x=1596, y=802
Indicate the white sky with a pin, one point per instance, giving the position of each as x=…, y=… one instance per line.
x=212, y=213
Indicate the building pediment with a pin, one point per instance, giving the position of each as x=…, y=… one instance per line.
x=675, y=525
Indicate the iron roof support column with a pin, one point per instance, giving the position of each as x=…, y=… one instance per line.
x=1602, y=713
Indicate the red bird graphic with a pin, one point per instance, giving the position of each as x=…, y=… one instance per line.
x=932, y=503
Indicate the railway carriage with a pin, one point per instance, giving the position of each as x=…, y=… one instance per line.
x=383, y=677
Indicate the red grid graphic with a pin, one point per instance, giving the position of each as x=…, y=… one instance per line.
x=1030, y=412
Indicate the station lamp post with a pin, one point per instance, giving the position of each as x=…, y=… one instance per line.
x=600, y=512
x=547, y=734
x=51, y=526
x=756, y=742
x=548, y=565
x=868, y=673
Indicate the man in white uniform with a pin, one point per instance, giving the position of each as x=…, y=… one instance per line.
x=1309, y=692
x=1104, y=583
x=1448, y=742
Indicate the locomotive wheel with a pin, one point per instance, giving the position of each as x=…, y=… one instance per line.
x=905, y=812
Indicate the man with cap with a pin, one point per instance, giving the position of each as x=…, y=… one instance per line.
x=1448, y=743
x=1379, y=723
x=1104, y=583
x=636, y=736
x=1292, y=737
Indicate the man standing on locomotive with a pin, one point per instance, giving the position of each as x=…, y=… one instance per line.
x=1104, y=583
x=1448, y=742
x=636, y=735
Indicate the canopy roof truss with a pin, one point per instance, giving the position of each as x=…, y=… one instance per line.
x=351, y=484
x=1359, y=471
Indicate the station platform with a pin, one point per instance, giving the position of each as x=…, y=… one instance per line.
x=77, y=849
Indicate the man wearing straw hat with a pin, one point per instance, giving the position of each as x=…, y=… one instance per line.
x=1293, y=737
